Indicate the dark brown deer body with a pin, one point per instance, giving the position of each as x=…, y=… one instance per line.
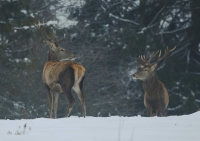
x=155, y=94
x=60, y=75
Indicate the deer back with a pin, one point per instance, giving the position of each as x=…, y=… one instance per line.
x=53, y=71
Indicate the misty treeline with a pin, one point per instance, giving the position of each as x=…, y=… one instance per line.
x=107, y=38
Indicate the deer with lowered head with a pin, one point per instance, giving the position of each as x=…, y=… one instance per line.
x=61, y=74
x=155, y=94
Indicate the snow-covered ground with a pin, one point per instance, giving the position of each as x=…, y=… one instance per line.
x=172, y=128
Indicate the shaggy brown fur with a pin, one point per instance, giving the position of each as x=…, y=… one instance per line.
x=60, y=77
x=155, y=96
x=61, y=74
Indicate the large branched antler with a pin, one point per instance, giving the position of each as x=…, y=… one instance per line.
x=145, y=61
x=152, y=55
x=40, y=27
x=167, y=51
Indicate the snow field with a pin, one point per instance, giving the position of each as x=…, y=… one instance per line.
x=115, y=128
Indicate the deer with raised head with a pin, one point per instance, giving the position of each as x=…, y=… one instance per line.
x=61, y=74
x=155, y=94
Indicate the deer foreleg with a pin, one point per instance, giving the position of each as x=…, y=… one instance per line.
x=84, y=111
x=51, y=105
x=50, y=99
x=149, y=112
x=56, y=104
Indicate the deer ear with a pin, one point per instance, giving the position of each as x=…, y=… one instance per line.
x=153, y=66
x=51, y=45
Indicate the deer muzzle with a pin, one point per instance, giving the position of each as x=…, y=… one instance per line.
x=71, y=58
x=135, y=76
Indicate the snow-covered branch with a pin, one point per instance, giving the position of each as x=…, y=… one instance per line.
x=145, y=28
x=172, y=32
x=124, y=20
x=196, y=62
x=179, y=49
x=23, y=27
x=175, y=108
x=156, y=15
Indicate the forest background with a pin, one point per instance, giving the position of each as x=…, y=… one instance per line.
x=107, y=36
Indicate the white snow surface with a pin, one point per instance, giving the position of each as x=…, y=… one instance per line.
x=114, y=128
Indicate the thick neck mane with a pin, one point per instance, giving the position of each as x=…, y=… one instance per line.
x=151, y=84
x=52, y=56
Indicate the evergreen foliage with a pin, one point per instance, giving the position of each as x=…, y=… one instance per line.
x=107, y=40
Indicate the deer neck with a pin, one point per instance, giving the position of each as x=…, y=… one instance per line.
x=150, y=83
x=52, y=56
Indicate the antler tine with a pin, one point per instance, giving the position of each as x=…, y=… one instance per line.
x=167, y=51
x=159, y=54
x=41, y=29
x=55, y=39
x=64, y=37
x=142, y=59
x=152, y=55
x=54, y=33
x=173, y=49
x=40, y=26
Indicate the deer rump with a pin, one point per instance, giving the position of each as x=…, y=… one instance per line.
x=57, y=75
x=156, y=97
x=62, y=77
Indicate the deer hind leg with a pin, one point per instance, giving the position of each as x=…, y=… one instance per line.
x=66, y=80
x=56, y=104
x=71, y=102
x=50, y=99
x=66, y=87
x=83, y=103
x=78, y=88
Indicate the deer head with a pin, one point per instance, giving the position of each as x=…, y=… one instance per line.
x=146, y=68
x=58, y=52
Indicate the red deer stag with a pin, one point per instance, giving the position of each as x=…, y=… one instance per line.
x=61, y=75
x=155, y=94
